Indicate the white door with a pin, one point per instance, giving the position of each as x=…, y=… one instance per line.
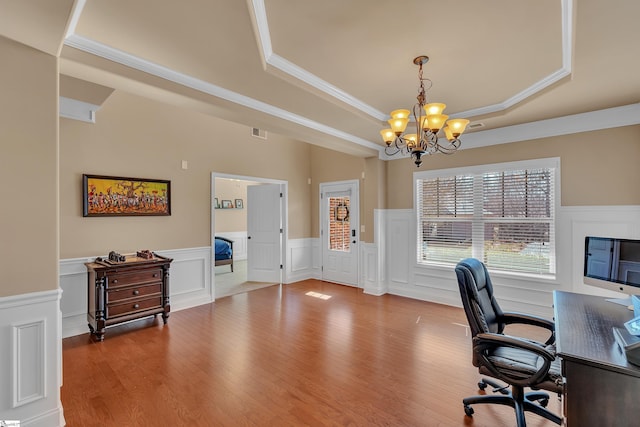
x=339, y=206
x=264, y=233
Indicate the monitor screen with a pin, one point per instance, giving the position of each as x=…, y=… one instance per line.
x=612, y=263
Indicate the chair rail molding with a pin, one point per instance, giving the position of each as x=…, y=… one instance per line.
x=189, y=285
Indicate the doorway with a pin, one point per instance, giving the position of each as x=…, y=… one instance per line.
x=242, y=197
x=339, y=231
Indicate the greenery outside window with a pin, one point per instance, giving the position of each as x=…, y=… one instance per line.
x=503, y=214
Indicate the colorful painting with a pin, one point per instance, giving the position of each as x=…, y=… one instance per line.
x=117, y=196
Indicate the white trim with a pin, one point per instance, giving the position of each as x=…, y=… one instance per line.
x=284, y=186
x=78, y=110
x=477, y=219
x=276, y=61
x=555, y=76
x=95, y=48
x=625, y=115
x=78, y=7
x=549, y=162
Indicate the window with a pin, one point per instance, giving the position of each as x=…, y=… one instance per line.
x=502, y=214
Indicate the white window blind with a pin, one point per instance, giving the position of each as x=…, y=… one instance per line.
x=505, y=217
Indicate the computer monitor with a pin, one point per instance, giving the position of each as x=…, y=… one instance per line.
x=613, y=264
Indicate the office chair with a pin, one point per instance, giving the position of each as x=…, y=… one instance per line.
x=517, y=361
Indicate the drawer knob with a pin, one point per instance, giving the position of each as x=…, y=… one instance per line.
x=136, y=305
x=115, y=281
x=155, y=274
x=136, y=292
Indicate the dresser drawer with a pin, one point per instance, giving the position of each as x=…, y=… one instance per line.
x=119, y=309
x=133, y=278
x=136, y=291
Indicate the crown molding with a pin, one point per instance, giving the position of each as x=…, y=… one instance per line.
x=276, y=61
x=626, y=115
x=95, y=48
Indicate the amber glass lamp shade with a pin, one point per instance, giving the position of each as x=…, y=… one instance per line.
x=434, y=108
x=398, y=125
x=457, y=126
x=435, y=122
x=387, y=135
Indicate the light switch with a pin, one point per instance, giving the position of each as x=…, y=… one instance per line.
x=185, y=165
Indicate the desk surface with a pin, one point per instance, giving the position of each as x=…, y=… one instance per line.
x=584, y=331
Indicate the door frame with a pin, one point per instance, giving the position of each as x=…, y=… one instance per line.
x=321, y=224
x=284, y=219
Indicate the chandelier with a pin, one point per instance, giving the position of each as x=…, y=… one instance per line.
x=429, y=120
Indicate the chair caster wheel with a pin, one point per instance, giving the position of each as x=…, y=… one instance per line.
x=468, y=410
x=482, y=385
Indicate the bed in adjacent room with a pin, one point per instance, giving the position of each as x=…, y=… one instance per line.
x=223, y=251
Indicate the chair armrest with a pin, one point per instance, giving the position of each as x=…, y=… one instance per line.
x=529, y=319
x=484, y=343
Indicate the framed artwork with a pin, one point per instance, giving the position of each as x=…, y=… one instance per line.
x=215, y=203
x=239, y=204
x=119, y=196
x=226, y=204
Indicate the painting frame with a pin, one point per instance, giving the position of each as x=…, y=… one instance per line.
x=239, y=203
x=226, y=204
x=104, y=195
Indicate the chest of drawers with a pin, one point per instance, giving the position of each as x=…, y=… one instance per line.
x=128, y=290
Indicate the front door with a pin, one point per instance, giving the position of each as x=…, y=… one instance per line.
x=340, y=219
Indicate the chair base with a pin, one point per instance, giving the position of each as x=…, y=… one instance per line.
x=521, y=402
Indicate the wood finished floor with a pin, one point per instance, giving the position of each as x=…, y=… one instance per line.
x=278, y=357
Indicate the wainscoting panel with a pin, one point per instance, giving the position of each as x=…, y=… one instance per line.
x=370, y=273
x=190, y=277
x=398, y=236
x=189, y=285
x=31, y=359
x=299, y=260
x=28, y=367
x=532, y=295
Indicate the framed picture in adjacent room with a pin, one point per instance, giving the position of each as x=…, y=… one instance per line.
x=226, y=204
x=239, y=204
x=120, y=196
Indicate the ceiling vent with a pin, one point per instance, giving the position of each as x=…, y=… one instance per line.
x=259, y=133
x=476, y=125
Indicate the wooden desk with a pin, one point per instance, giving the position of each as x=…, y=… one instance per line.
x=602, y=388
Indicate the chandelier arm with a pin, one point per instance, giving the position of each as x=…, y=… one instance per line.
x=386, y=150
x=451, y=147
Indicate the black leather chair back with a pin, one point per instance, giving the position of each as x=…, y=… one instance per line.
x=476, y=291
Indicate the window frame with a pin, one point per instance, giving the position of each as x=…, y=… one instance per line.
x=477, y=170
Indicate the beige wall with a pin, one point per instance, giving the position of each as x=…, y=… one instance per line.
x=374, y=194
x=136, y=137
x=597, y=168
x=329, y=166
x=28, y=170
x=232, y=219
